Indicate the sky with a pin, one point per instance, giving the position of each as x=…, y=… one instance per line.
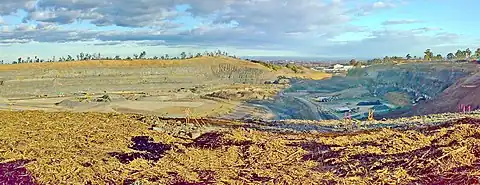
x=290, y=28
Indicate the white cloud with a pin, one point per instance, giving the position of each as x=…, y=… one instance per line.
x=367, y=8
x=299, y=26
x=381, y=4
x=404, y=21
x=395, y=42
x=10, y=6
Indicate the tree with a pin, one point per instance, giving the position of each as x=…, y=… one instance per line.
x=450, y=56
x=468, y=53
x=183, y=55
x=82, y=56
x=353, y=62
x=135, y=56
x=386, y=59
x=477, y=53
x=439, y=57
x=408, y=57
x=459, y=54
x=142, y=55
x=428, y=54
x=396, y=58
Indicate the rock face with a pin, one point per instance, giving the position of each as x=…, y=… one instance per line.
x=417, y=82
x=465, y=91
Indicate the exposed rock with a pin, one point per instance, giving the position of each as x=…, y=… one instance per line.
x=68, y=104
x=104, y=98
x=282, y=81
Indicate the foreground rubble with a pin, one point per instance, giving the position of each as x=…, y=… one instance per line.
x=96, y=148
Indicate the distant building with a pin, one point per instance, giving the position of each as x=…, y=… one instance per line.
x=369, y=103
x=318, y=68
x=342, y=109
x=337, y=68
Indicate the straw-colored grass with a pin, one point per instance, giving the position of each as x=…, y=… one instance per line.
x=127, y=63
x=196, y=62
x=75, y=148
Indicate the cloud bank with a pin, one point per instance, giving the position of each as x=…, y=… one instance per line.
x=310, y=27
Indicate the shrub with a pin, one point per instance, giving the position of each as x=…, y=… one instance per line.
x=294, y=68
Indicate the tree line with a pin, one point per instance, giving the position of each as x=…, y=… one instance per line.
x=140, y=56
x=430, y=56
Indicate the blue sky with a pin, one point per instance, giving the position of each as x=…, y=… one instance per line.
x=303, y=28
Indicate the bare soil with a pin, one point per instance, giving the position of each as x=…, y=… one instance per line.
x=163, y=88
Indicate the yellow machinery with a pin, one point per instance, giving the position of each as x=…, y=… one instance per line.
x=370, y=115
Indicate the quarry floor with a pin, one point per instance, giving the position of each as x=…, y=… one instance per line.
x=162, y=89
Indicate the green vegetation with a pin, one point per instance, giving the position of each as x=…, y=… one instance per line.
x=429, y=55
x=294, y=68
x=97, y=56
x=268, y=65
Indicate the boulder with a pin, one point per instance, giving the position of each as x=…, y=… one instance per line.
x=104, y=98
x=282, y=81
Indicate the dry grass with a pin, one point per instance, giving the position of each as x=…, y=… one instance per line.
x=128, y=63
x=306, y=74
x=64, y=144
x=210, y=62
x=78, y=148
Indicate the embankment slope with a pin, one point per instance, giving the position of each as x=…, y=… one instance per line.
x=139, y=86
x=465, y=91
